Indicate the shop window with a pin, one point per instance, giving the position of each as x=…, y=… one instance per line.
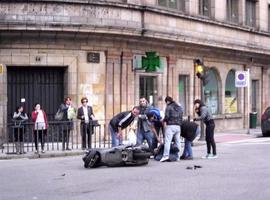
x=183, y=86
x=232, y=10
x=251, y=13
x=174, y=4
x=211, y=91
x=231, y=99
x=205, y=7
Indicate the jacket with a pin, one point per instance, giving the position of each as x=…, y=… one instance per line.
x=80, y=114
x=143, y=123
x=122, y=120
x=34, y=118
x=173, y=114
x=188, y=130
x=204, y=114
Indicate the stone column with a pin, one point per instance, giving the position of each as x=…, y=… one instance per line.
x=171, y=65
x=264, y=88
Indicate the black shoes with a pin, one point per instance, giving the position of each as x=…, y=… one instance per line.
x=186, y=158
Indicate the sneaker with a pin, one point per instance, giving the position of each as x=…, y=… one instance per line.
x=163, y=159
x=207, y=156
x=42, y=151
x=212, y=156
x=36, y=151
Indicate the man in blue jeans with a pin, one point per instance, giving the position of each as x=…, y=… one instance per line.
x=144, y=130
x=172, y=122
x=120, y=122
x=189, y=131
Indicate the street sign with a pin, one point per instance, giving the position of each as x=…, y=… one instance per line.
x=241, y=78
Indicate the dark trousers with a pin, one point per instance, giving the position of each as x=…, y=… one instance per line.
x=209, y=137
x=18, y=134
x=39, y=135
x=86, y=132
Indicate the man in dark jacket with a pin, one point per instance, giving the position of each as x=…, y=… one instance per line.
x=86, y=115
x=189, y=131
x=144, y=130
x=172, y=122
x=120, y=122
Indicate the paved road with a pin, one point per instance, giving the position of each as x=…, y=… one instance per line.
x=241, y=172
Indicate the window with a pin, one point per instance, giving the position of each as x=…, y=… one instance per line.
x=174, y=4
x=211, y=92
x=205, y=7
x=251, y=13
x=255, y=95
x=230, y=93
x=183, y=86
x=232, y=10
x=148, y=89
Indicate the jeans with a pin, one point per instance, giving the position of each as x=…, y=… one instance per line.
x=188, y=149
x=116, y=141
x=158, y=128
x=145, y=135
x=172, y=131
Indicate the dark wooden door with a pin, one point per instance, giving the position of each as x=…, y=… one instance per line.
x=44, y=85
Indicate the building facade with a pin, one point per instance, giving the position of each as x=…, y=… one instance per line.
x=56, y=48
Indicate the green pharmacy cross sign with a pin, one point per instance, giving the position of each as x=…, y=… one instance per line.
x=151, y=62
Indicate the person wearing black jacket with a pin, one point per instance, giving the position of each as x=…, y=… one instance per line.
x=19, y=117
x=120, y=122
x=86, y=115
x=189, y=131
x=204, y=115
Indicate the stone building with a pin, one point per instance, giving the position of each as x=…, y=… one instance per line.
x=50, y=49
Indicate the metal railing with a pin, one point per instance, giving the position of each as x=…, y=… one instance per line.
x=23, y=137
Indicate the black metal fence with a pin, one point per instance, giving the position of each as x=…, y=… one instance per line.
x=24, y=137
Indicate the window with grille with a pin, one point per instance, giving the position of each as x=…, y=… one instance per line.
x=233, y=11
x=173, y=4
x=251, y=13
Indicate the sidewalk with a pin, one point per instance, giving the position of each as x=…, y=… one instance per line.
x=233, y=135
x=220, y=137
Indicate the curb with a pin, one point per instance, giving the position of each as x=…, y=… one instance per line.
x=37, y=156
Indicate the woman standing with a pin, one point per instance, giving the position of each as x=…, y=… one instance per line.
x=40, y=127
x=19, y=117
x=207, y=118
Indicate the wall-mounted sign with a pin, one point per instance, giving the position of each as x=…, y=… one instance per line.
x=93, y=57
x=241, y=79
x=149, y=63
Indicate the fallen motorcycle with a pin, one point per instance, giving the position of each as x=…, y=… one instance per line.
x=117, y=156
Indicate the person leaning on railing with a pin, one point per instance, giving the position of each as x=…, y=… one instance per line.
x=19, y=117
